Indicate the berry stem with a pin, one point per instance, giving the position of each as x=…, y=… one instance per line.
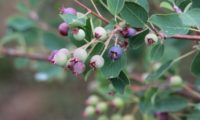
x=95, y=7
x=185, y=55
x=106, y=21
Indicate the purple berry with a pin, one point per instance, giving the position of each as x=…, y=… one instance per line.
x=115, y=52
x=76, y=66
x=128, y=32
x=51, y=56
x=63, y=29
x=68, y=11
x=162, y=116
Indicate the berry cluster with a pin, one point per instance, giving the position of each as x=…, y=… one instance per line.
x=98, y=108
x=75, y=60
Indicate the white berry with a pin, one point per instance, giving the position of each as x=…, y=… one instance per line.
x=100, y=33
x=80, y=54
x=97, y=61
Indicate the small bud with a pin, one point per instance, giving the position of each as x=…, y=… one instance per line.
x=59, y=57
x=63, y=29
x=92, y=100
x=115, y=52
x=81, y=54
x=177, y=9
x=100, y=33
x=116, y=117
x=176, y=81
x=117, y=103
x=97, y=61
x=151, y=39
x=128, y=32
x=101, y=107
x=88, y=112
x=68, y=11
x=79, y=34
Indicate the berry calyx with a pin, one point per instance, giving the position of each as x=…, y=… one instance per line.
x=151, y=39
x=88, y=112
x=76, y=66
x=69, y=10
x=115, y=52
x=101, y=107
x=100, y=33
x=79, y=34
x=92, y=100
x=81, y=54
x=128, y=32
x=63, y=29
x=96, y=61
x=59, y=57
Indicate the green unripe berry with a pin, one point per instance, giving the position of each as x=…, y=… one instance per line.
x=176, y=81
x=151, y=39
x=101, y=107
x=128, y=117
x=79, y=34
x=103, y=117
x=92, y=100
x=116, y=117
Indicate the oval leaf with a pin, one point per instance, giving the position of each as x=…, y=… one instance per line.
x=115, y=6
x=195, y=67
x=157, y=51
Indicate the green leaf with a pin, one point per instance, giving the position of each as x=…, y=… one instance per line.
x=21, y=62
x=195, y=67
x=194, y=115
x=170, y=24
x=120, y=82
x=115, y=6
x=111, y=69
x=195, y=4
x=74, y=20
x=191, y=18
x=20, y=23
x=157, y=51
x=158, y=73
x=144, y=4
x=52, y=42
x=22, y=7
x=171, y=104
x=138, y=40
x=134, y=14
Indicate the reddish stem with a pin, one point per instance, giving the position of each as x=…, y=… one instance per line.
x=186, y=37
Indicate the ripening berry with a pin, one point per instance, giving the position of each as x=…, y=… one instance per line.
x=92, y=100
x=63, y=29
x=116, y=117
x=176, y=81
x=89, y=111
x=128, y=32
x=68, y=11
x=100, y=33
x=117, y=103
x=81, y=54
x=59, y=57
x=79, y=34
x=76, y=66
x=97, y=61
x=151, y=39
x=101, y=107
x=115, y=52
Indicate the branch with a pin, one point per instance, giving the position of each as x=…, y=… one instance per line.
x=186, y=37
x=15, y=53
x=106, y=21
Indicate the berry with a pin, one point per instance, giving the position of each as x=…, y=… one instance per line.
x=92, y=100
x=88, y=112
x=59, y=57
x=115, y=52
x=117, y=102
x=100, y=33
x=76, y=66
x=101, y=107
x=162, y=116
x=68, y=11
x=128, y=32
x=97, y=61
x=103, y=117
x=128, y=117
x=116, y=117
x=151, y=39
x=78, y=34
x=63, y=29
x=80, y=54
x=176, y=81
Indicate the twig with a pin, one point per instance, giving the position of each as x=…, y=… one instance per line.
x=106, y=21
